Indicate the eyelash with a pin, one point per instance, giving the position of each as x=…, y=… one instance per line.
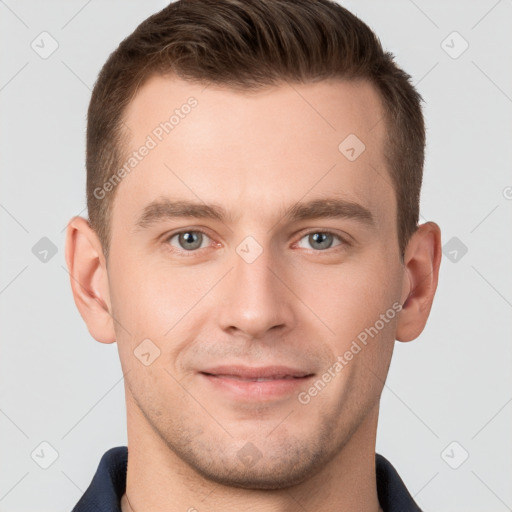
x=343, y=241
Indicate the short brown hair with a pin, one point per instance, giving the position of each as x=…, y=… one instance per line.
x=251, y=44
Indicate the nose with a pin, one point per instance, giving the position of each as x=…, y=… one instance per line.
x=254, y=297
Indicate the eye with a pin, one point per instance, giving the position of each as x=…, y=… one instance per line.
x=321, y=240
x=188, y=240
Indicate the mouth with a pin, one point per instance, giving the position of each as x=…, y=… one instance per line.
x=256, y=379
x=256, y=384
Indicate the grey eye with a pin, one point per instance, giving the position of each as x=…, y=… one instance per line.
x=320, y=240
x=188, y=240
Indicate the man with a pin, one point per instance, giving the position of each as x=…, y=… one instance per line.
x=253, y=180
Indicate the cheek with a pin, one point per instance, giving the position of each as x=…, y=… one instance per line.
x=349, y=297
x=372, y=314
x=150, y=299
x=159, y=303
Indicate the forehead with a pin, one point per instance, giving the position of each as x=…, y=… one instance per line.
x=255, y=152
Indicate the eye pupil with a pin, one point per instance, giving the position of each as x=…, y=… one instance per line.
x=323, y=240
x=190, y=240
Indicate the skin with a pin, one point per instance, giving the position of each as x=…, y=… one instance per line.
x=299, y=303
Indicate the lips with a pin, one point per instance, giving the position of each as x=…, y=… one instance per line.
x=257, y=374
x=251, y=384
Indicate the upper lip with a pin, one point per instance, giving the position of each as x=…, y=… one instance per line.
x=262, y=372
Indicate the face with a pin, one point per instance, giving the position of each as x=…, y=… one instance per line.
x=253, y=243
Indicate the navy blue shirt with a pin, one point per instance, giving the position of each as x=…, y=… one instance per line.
x=109, y=483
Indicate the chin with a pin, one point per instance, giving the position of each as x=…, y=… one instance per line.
x=269, y=478
x=273, y=471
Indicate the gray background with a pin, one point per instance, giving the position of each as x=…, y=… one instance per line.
x=453, y=384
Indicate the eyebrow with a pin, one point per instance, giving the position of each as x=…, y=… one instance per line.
x=165, y=209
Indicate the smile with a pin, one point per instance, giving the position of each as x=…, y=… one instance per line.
x=255, y=384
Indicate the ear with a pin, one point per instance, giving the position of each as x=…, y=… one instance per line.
x=89, y=280
x=422, y=259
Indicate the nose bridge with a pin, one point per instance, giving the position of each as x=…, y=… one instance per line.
x=255, y=298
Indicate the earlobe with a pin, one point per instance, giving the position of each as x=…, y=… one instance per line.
x=422, y=260
x=89, y=280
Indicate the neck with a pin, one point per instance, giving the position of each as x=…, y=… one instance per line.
x=159, y=481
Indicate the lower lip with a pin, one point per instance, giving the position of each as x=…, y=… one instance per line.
x=257, y=390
